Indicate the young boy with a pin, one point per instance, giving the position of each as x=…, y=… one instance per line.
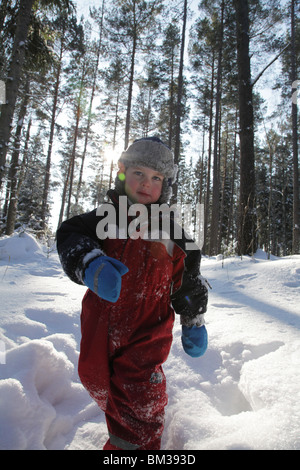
x=135, y=284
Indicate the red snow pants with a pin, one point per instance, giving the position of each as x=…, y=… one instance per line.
x=128, y=383
x=123, y=347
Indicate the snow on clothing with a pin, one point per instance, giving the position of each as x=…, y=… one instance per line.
x=124, y=344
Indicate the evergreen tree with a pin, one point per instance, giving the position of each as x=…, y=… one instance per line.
x=247, y=220
x=30, y=197
x=296, y=201
x=66, y=34
x=168, y=70
x=133, y=25
x=38, y=61
x=145, y=108
x=214, y=81
x=12, y=84
x=97, y=47
x=113, y=105
x=180, y=88
x=23, y=19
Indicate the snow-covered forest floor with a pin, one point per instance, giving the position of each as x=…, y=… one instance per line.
x=243, y=394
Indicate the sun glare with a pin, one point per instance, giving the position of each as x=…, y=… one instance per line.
x=112, y=154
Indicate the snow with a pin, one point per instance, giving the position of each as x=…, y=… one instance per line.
x=243, y=394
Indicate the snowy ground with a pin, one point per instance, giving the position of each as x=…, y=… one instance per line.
x=243, y=394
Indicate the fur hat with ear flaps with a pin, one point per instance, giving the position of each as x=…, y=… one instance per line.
x=153, y=153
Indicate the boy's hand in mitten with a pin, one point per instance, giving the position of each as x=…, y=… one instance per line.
x=194, y=340
x=104, y=277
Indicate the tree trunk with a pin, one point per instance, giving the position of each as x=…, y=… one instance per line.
x=73, y=158
x=230, y=231
x=129, y=99
x=223, y=190
x=64, y=195
x=13, y=173
x=210, y=131
x=214, y=232
x=247, y=218
x=296, y=217
x=87, y=131
x=270, y=242
x=116, y=118
x=24, y=163
x=50, y=143
x=13, y=80
x=179, y=99
x=78, y=113
x=171, y=107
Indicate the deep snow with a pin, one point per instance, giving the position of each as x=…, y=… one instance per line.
x=243, y=394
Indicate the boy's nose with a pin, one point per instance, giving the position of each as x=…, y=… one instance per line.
x=146, y=181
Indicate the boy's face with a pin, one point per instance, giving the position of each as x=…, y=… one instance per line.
x=143, y=185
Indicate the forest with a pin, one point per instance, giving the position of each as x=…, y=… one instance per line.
x=76, y=89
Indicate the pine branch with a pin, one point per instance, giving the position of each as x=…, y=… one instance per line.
x=270, y=63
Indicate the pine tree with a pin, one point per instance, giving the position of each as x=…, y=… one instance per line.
x=66, y=33
x=98, y=17
x=168, y=70
x=14, y=76
x=113, y=104
x=38, y=60
x=133, y=24
x=16, y=62
x=14, y=165
x=30, y=198
x=214, y=81
x=215, y=218
x=247, y=220
x=202, y=55
x=296, y=202
x=145, y=108
x=177, y=145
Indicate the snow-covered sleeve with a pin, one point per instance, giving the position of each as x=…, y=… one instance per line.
x=190, y=294
x=78, y=245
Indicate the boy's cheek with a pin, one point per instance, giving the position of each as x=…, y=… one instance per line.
x=130, y=192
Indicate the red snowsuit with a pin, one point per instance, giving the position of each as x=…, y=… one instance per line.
x=124, y=344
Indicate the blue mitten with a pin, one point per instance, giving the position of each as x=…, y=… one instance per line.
x=194, y=340
x=104, y=277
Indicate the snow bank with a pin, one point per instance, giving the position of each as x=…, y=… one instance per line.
x=243, y=394
x=20, y=246
x=41, y=400
x=40, y=384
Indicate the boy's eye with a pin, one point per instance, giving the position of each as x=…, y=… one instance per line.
x=140, y=174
